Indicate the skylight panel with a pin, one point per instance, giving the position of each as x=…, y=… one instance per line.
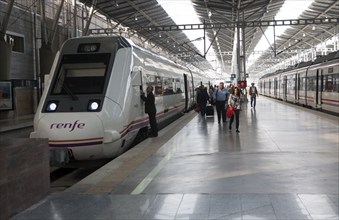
x=182, y=12
x=291, y=9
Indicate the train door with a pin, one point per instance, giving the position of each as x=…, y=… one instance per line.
x=275, y=87
x=137, y=87
x=186, y=92
x=284, y=95
x=297, y=88
x=319, y=87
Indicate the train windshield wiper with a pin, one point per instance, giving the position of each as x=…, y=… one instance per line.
x=69, y=91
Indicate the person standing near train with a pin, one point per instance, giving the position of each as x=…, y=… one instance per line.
x=253, y=92
x=220, y=96
x=202, y=98
x=151, y=110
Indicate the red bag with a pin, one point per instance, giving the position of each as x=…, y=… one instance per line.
x=197, y=108
x=229, y=112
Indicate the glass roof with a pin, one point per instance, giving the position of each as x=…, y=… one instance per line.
x=291, y=9
x=182, y=12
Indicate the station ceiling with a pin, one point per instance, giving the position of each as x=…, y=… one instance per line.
x=150, y=20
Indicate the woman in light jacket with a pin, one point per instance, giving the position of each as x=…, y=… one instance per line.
x=234, y=104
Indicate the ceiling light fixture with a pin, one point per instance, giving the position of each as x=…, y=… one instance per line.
x=136, y=17
x=313, y=28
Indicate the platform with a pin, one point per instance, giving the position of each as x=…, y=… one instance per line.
x=282, y=165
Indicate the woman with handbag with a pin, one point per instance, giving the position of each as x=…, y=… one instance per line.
x=234, y=105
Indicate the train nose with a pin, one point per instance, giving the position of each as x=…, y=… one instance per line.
x=71, y=130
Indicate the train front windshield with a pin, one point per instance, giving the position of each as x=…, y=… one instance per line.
x=81, y=74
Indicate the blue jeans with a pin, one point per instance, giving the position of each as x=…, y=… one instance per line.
x=221, y=112
x=253, y=100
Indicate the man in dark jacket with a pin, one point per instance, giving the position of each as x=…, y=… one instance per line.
x=151, y=110
x=202, y=98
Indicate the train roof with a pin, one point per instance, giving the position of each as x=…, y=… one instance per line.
x=331, y=56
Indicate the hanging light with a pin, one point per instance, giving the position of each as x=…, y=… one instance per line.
x=313, y=28
x=116, y=3
x=136, y=17
x=304, y=34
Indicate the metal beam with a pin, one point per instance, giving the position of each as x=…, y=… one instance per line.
x=241, y=24
x=89, y=19
x=5, y=20
x=55, y=23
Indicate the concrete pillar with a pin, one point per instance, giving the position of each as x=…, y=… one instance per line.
x=5, y=60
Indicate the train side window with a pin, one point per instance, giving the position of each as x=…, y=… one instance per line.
x=328, y=83
x=302, y=83
x=154, y=81
x=178, y=86
x=311, y=84
x=336, y=83
x=167, y=86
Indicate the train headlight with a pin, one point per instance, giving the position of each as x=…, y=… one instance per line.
x=89, y=48
x=93, y=105
x=52, y=106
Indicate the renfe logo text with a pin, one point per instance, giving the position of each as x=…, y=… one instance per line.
x=71, y=126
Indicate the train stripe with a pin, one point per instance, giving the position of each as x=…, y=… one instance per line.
x=135, y=124
x=330, y=100
x=78, y=140
x=76, y=144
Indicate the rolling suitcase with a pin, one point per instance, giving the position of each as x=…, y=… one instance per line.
x=209, y=110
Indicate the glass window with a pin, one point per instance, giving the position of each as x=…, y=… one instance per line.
x=81, y=76
x=158, y=85
x=303, y=83
x=178, y=85
x=167, y=86
x=328, y=83
x=311, y=84
x=18, y=43
x=336, y=83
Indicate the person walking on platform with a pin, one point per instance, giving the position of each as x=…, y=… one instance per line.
x=202, y=98
x=220, y=96
x=151, y=110
x=234, y=104
x=253, y=92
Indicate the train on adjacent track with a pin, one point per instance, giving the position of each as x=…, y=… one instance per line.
x=91, y=107
x=313, y=84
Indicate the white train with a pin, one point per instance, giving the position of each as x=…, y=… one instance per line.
x=91, y=107
x=311, y=84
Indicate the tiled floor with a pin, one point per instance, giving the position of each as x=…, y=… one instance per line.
x=283, y=165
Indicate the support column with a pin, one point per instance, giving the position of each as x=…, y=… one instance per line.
x=5, y=60
x=5, y=45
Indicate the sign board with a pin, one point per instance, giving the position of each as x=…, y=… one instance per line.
x=242, y=84
x=6, y=95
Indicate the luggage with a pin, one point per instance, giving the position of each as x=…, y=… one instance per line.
x=209, y=110
x=229, y=112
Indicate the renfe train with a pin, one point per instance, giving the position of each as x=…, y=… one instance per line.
x=313, y=84
x=91, y=107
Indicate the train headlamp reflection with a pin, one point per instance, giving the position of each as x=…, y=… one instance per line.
x=52, y=106
x=88, y=48
x=93, y=105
